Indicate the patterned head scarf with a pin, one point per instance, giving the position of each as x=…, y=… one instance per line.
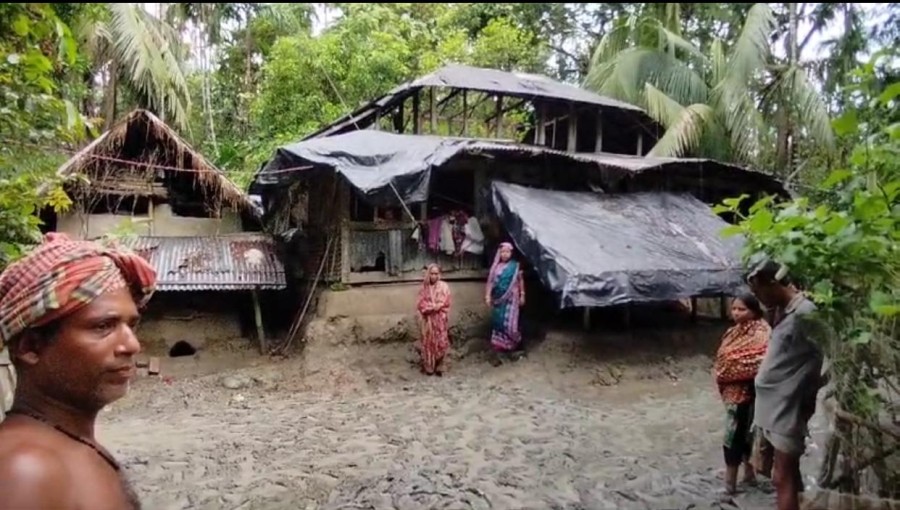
x=498, y=265
x=427, y=280
x=61, y=276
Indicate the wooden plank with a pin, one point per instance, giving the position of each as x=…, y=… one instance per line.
x=154, y=366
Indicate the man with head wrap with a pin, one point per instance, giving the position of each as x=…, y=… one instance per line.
x=67, y=313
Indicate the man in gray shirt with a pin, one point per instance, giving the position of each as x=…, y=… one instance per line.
x=788, y=379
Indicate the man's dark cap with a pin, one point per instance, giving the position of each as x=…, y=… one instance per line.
x=768, y=270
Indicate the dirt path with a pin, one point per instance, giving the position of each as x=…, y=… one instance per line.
x=550, y=431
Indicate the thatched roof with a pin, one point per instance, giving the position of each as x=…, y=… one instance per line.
x=132, y=156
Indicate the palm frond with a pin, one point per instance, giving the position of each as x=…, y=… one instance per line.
x=750, y=53
x=807, y=105
x=149, y=50
x=674, y=41
x=625, y=76
x=743, y=122
x=290, y=18
x=660, y=107
x=718, y=62
x=613, y=41
x=686, y=133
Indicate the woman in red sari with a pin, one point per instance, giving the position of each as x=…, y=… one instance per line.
x=434, y=314
x=737, y=362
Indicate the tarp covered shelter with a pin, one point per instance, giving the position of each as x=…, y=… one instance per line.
x=594, y=249
x=386, y=166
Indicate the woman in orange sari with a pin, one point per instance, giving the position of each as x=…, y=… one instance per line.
x=737, y=361
x=434, y=314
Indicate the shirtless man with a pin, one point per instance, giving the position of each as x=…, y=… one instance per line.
x=788, y=379
x=67, y=313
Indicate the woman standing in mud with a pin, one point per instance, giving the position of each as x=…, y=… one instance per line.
x=505, y=293
x=737, y=361
x=434, y=313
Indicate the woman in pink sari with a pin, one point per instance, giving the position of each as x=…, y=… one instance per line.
x=434, y=314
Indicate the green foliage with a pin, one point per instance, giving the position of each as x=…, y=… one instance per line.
x=37, y=53
x=842, y=243
x=276, y=82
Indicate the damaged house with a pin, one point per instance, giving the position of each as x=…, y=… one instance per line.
x=141, y=184
x=563, y=173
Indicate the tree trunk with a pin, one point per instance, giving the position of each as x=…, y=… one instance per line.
x=244, y=101
x=785, y=122
x=203, y=39
x=109, y=98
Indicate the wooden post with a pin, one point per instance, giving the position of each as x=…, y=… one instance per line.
x=598, y=148
x=539, y=125
x=433, y=113
x=417, y=112
x=398, y=118
x=152, y=218
x=640, y=144
x=694, y=311
x=465, y=113
x=572, y=141
x=260, y=332
x=587, y=318
x=499, y=116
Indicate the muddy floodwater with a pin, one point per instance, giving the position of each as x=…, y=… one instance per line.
x=571, y=426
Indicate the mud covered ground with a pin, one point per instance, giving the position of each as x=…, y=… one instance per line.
x=612, y=423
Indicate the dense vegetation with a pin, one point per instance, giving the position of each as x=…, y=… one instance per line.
x=768, y=85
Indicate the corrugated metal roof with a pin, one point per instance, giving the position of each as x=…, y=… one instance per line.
x=228, y=262
x=521, y=85
x=513, y=84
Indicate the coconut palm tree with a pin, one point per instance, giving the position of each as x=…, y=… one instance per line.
x=138, y=53
x=722, y=102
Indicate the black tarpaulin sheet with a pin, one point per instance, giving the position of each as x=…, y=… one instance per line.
x=386, y=166
x=598, y=250
x=372, y=161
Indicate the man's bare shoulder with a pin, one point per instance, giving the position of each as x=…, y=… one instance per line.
x=32, y=473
